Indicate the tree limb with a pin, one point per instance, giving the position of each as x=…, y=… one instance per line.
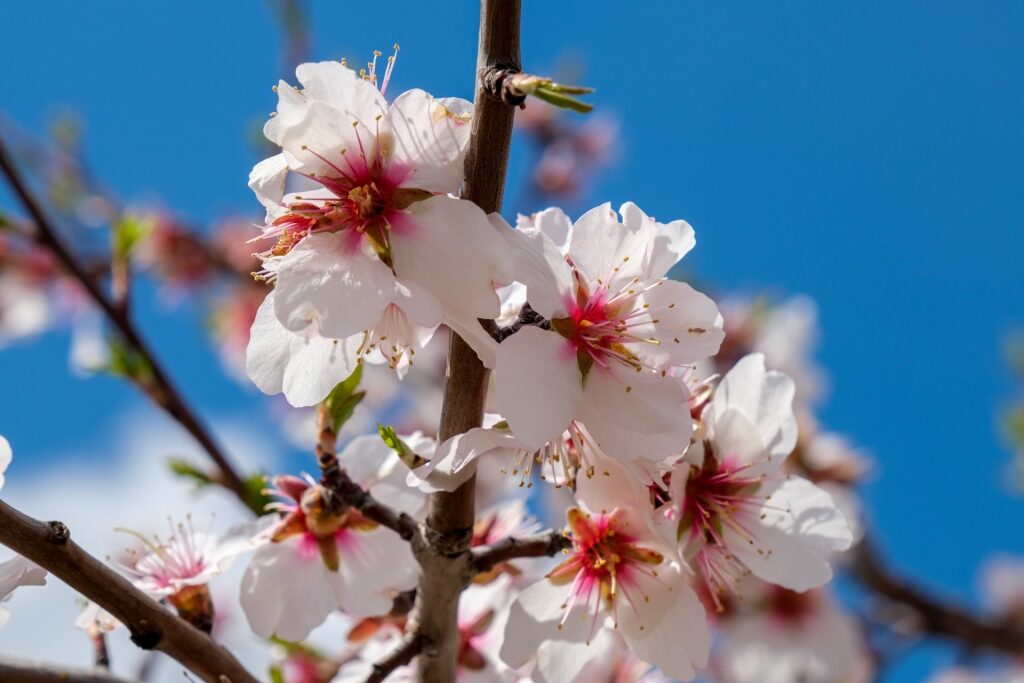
x=160, y=389
x=544, y=544
x=152, y=627
x=936, y=616
x=444, y=558
x=18, y=671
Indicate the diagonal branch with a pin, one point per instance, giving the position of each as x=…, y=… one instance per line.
x=934, y=615
x=17, y=671
x=545, y=544
x=160, y=388
x=152, y=627
x=410, y=646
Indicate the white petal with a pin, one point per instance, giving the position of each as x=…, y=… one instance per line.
x=799, y=528
x=472, y=332
x=689, y=331
x=536, y=617
x=285, y=592
x=430, y=137
x=556, y=225
x=561, y=661
x=322, y=280
x=267, y=180
x=651, y=420
x=19, y=571
x=667, y=244
x=374, y=567
x=451, y=248
x=764, y=397
x=541, y=266
x=536, y=385
x=5, y=458
x=679, y=644
x=306, y=367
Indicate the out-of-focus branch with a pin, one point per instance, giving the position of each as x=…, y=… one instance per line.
x=152, y=627
x=410, y=646
x=545, y=544
x=935, y=616
x=159, y=387
x=17, y=671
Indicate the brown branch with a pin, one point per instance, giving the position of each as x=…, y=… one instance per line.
x=545, y=544
x=342, y=490
x=152, y=627
x=444, y=558
x=934, y=615
x=100, y=652
x=17, y=671
x=160, y=387
x=410, y=646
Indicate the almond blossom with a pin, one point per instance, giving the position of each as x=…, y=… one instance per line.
x=619, y=574
x=613, y=325
x=377, y=249
x=315, y=561
x=733, y=509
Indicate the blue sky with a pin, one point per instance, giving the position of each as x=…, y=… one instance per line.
x=868, y=154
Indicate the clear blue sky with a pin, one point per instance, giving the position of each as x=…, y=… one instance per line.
x=866, y=153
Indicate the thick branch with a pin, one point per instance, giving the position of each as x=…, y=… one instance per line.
x=410, y=646
x=547, y=544
x=934, y=615
x=161, y=390
x=17, y=671
x=444, y=559
x=152, y=627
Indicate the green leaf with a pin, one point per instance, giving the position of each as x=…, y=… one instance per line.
x=405, y=454
x=127, y=231
x=255, y=498
x=560, y=99
x=125, y=361
x=556, y=94
x=187, y=470
x=276, y=675
x=344, y=398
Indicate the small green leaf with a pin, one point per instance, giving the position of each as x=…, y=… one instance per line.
x=255, y=497
x=405, y=454
x=344, y=398
x=276, y=675
x=562, y=100
x=128, y=229
x=187, y=470
x=125, y=361
x=556, y=94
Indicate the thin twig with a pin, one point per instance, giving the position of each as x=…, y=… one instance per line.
x=410, y=646
x=935, y=616
x=152, y=627
x=100, y=652
x=161, y=389
x=546, y=544
x=18, y=671
x=344, y=491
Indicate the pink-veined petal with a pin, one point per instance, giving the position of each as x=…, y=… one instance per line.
x=429, y=138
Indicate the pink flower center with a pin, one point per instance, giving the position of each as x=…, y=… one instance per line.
x=604, y=563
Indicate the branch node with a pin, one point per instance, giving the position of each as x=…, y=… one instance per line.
x=146, y=638
x=60, y=534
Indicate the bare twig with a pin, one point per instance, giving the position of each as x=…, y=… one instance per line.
x=152, y=627
x=935, y=616
x=545, y=544
x=444, y=558
x=100, y=653
x=160, y=388
x=18, y=671
x=410, y=646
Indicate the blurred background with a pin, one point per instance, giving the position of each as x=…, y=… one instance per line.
x=866, y=156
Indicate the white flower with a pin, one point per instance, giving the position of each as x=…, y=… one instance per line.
x=379, y=250
x=314, y=562
x=615, y=325
x=793, y=637
x=734, y=510
x=619, y=574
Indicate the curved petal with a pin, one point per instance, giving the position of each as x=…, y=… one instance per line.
x=320, y=280
x=452, y=249
x=668, y=243
x=306, y=367
x=5, y=458
x=267, y=180
x=764, y=397
x=541, y=266
x=536, y=385
x=429, y=139
x=680, y=642
x=798, y=528
x=636, y=415
x=374, y=567
x=688, y=326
